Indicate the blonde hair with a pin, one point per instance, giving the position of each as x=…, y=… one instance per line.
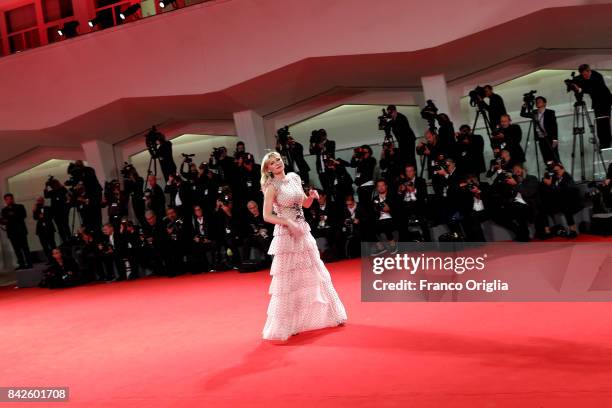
x=266, y=176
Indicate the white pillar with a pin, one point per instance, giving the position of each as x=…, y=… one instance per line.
x=251, y=130
x=100, y=156
x=435, y=88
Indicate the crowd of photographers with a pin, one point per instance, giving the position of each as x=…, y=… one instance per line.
x=208, y=217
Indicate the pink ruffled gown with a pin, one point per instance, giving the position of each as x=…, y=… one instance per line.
x=303, y=297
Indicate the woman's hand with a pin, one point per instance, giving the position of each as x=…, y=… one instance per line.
x=294, y=229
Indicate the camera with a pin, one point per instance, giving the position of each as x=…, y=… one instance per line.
x=384, y=121
x=438, y=165
x=225, y=199
x=379, y=205
x=348, y=226
x=430, y=111
x=187, y=158
x=572, y=86
x=360, y=152
x=127, y=170
x=152, y=139
x=529, y=99
x=215, y=156
x=476, y=96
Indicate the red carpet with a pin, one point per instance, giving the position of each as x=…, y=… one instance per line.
x=194, y=341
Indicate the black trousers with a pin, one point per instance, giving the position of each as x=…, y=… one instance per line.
x=22, y=250
x=47, y=242
x=548, y=152
x=60, y=218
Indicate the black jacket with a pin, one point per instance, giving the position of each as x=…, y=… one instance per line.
x=328, y=149
x=44, y=220
x=402, y=131
x=14, y=219
x=550, y=122
x=597, y=88
x=496, y=109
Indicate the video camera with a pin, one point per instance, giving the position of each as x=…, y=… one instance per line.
x=430, y=114
x=127, y=170
x=152, y=139
x=476, y=96
x=571, y=85
x=384, y=121
x=187, y=158
x=529, y=99
x=360, y=152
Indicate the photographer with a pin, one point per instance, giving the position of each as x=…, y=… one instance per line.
x=152, y=243
x=323, y=149
x=292, y=154
x=230, y=232
x=164, y=154
x=446, y=133
x=108, y=250
x=177, y=240
x=63, y=272
x=322, y=218
x=222, y=165
x=353, y=216
x=529, y=188
x=247, y=182
x=592, y=82
x=341, y=180
x=88, y=205
x=85, y=253
x=445, y=183
x=154, y=197
x=117, y=202
x=403, y=134
x=128, y=250
x=412, y=194
x=133, y=186
x=545, y=127
x=508, y=136
x=468, y=152
x=207, y=186
x=431, y=152
x=364, y=164
x=502, y=161
x=60, y=206
x=45, y=230
x=260, y=233
x=181, y=195
x=203, y=244
x=508, y=208
x=190, y=173
x=472, y=199
x=390, y=162
x=495, y=107
x=386, y=219
x=560, y=195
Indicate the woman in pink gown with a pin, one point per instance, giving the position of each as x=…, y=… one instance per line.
x=302, y=295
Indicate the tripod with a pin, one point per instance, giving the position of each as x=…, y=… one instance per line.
x=532, y=127
x=73, y=221
x=153, y=163
x=582, y=116
x=480, y=111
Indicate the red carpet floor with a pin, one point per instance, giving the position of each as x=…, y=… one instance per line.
x=194, y=341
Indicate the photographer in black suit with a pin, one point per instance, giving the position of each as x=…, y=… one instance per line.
x=508, y=136
x=560, y=195
x=412, y=196
x=468, y=152
x=545, y=128
x=386, y=218
x=13, y=218
x=60, y=206
x=364, y=165
x=403, y=134
x=45, y=230
x=592, y=82
x=323, y=149
x=496, y=107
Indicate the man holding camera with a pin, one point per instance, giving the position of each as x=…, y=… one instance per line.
x=545, y=127
x=45, y=230
x=560, y=195
x=203, y=243
x=324, y=149
x=60, y=206
x=260, y=233
x=508, y=136
x=386, y=219
x=495, y=107
x=364, y=164
x=177, y=239
x=403, y=134
x=412, y=194
x=154, y=197
x=390, y=162
x=152, y=244
x=181, y=195
x=468, y=152
x=592, y=82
